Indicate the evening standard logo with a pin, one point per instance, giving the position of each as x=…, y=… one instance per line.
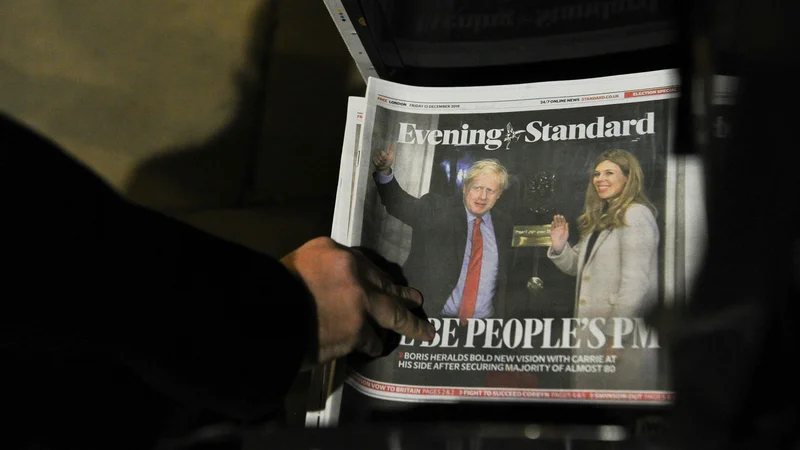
x=534, y=131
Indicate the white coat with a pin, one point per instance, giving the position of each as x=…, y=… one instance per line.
x=619, y=280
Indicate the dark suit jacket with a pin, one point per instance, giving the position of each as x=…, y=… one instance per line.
x=117, y=318
x=439, y=239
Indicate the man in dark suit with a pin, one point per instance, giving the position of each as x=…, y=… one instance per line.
x=123, y=328
x=459, y=247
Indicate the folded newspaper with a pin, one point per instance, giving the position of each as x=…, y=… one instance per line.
x=541, y=222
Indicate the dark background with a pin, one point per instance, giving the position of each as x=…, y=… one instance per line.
x=160, y=58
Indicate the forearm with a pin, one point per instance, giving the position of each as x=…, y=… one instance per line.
x=97, y=276
x=225, y=324
x=566, y=260
x=399, y=203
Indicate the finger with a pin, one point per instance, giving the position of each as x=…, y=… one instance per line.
x=381, y=281
x=415, y=295
x=410, y=297
x=377, y=279
x=369, y=342
x=407, y=296
x=389, y=303
x=370, y=272
x=389, y=313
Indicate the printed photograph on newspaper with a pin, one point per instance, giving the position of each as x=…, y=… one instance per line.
x=541, y=223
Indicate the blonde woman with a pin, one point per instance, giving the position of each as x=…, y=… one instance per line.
x=615, y=260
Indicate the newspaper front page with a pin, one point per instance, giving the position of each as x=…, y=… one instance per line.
x=541, y=222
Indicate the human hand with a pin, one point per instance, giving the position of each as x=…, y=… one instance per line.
x=559, y=233
x=353, y=300
x=383, y=160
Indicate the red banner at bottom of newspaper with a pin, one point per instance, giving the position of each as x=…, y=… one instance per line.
x=402, y=392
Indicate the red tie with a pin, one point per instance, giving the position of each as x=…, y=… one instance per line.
x=470, y=296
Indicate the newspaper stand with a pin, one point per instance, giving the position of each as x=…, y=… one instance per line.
x=419, y=43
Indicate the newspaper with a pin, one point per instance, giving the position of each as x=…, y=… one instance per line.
x=546, y=319
x=325, y=392
x=348, y=167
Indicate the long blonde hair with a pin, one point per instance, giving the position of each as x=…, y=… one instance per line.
x=599, y=214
